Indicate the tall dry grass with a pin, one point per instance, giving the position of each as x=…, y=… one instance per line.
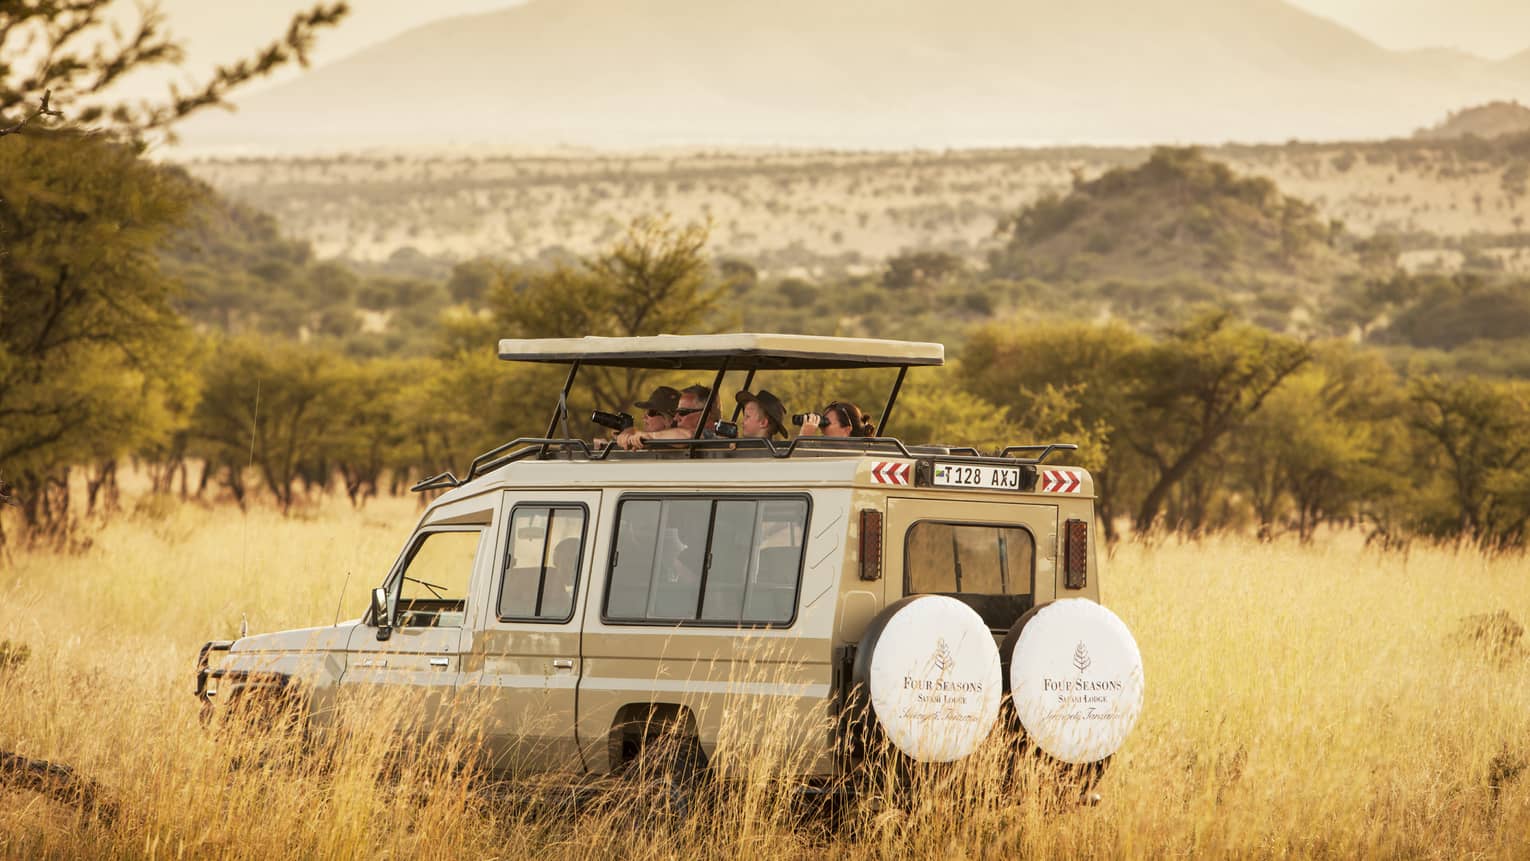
x=1316, y=701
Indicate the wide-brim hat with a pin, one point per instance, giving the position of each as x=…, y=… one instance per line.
x=664, y=399
x=774, y=410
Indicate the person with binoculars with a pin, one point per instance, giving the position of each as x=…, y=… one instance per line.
x=838, y=419
x=763, y=416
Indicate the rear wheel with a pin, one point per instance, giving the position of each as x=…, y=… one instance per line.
x=663, y=756
x=1074, y=679
x=926, y=685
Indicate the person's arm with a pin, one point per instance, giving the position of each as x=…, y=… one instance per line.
x=631, y=439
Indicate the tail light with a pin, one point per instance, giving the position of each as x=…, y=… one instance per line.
x=1076, y=554
x=871, y=544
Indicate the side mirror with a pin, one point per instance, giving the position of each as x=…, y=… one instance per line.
x=380, y=613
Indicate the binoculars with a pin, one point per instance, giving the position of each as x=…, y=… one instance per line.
x=799, y=418
x=615, y=421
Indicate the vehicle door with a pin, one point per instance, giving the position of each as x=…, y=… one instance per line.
x=524, y=664
x=416, y=665
x=997, y=557
x=701, y=608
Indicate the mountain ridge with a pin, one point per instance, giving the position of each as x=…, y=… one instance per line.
x=876, y=73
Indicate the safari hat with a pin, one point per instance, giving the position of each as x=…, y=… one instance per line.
x=772, y=406
x=664, y=400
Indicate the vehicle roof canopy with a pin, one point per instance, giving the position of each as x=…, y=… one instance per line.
x=724, y=353
x=741, y=351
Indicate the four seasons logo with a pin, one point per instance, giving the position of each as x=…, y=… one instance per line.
x=1081, y=659
x=943, y=659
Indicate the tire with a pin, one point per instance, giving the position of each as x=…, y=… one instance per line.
x=927, y=682
x=671, y=767
x=1074, y=679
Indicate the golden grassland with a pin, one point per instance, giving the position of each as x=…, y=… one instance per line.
x=1308, y=701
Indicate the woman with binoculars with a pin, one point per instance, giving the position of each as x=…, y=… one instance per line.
x=840, y=418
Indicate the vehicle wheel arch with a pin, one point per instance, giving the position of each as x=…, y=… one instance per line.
x=639, y=726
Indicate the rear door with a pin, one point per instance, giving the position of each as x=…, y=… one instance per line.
x=997, y=557
x=524, y=665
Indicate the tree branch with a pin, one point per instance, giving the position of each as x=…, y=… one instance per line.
x=42, y=111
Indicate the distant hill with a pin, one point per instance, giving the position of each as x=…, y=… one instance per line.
x=881, y=73
x=798, y=210
x=1484, y=121
x=1177, y=217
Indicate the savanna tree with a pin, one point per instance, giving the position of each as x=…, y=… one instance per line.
x=655, y=279
x=1476, y=433
x=1330, y=444
x=90, y=343
x=1204, y=381
x=91, y=350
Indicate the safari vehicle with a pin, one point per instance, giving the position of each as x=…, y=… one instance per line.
x=562, y=601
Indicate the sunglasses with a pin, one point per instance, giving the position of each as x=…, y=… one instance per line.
x=686, y=411
x=656, y=414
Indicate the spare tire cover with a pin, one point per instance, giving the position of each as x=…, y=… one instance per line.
x=1076, y=680
x=931, y=668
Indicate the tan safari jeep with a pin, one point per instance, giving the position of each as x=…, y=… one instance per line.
x=561, y=601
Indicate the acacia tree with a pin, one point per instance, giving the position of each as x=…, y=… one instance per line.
x=1478, y=435
x=1196, y=386
x=1068, y=383
x=655, y=279
x=1158, y=409
x=91, y=349
x=267, y=405
x=366, y=432
x=1325, y=445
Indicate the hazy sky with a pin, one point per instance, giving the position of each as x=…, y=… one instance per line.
x=1489, y=28
x=219, y=30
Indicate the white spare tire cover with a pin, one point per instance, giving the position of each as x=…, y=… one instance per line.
x=1076, y=680
x=931, y=669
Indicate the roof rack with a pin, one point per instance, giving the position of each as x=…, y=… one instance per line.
x=1046, y=450
x=548, y=448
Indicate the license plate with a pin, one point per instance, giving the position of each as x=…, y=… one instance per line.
x=984, y=477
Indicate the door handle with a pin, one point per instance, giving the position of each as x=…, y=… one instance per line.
x=439, y=662
x=372, y=663
x=563, y=663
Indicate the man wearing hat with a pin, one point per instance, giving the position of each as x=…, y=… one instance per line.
x=659, y=409
x=764, y=415
x=658, y=415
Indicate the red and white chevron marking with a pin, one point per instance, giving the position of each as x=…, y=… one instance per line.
x=1059, y=481
x=886, y=472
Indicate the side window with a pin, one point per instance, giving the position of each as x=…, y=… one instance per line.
x=433, y=591
x=726, y=560
x=969, y=558
x=632, y=563
x=542, y=564
x=681, y=553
